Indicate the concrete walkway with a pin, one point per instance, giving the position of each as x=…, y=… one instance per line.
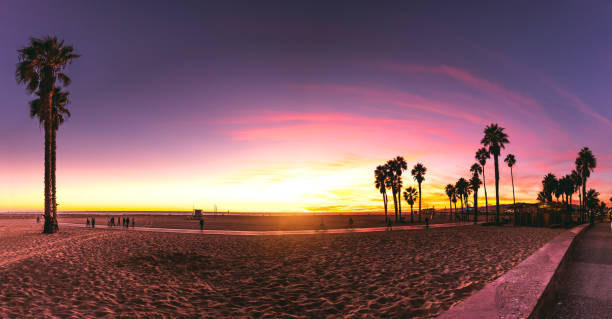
x=586, y=292
x=273, y=232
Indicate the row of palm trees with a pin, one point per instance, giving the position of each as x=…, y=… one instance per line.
x=40, y=68
x=389, y=177
x=565, y=186
x=493, y=141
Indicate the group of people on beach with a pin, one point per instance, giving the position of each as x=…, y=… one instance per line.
x=91, y=222
x=125, y=222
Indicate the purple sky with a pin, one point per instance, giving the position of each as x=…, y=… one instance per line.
x=191, y=103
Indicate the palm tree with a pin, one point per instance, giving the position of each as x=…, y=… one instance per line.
x=401, y=166
x=542, y=197
x=418, y=173
x=59, y=113
x=475, y=183
x=510, y=160
x=410, y=195
x=380, y=176
x=549, y=185
x=591, y=200
x=577, y=182
x=585, y=164
x=42, y=64
x=450, y=191
x=568, y=188
x=482, y=155
x=461, y=187
x=495, y=139
x=391, y=182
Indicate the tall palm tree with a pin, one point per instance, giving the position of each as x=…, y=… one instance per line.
x=380, y=176
x=418, y=173
x=455, y=201
x=401, y=166
x=482, y=155
x=59, y=113
x=510, y=160
x=585, y=164
x=568, y=189
x=410, y=195
x=450, y=190
x=461, y=187
x=495, y=139
x=41, y=64
x=392, y=182
x=475, y=183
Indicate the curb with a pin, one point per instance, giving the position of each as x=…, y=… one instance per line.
x=526, y=291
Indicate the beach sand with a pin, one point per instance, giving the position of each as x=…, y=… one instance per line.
x=257, y=223
x=123, y=273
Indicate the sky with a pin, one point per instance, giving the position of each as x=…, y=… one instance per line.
x=277, y=106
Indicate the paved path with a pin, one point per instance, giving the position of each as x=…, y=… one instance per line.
x=274, y=232
x=586, y=292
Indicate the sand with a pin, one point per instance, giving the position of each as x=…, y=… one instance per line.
x=117, y=273
x=257, y=223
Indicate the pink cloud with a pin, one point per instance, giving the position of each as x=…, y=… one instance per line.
x=511, y=97
x=577, y=103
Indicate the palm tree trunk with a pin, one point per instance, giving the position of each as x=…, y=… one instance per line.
x=411, y=215
x=455, y=209
x=395, y=202
x=50, y=226
x=53, y=176
x=462, y=212
x=399, y=203
x=385, y=204
x=475, y=207
x=420, y=202
x=450, y=209
x=496, y=189
x=584, y=198
x=484, y=183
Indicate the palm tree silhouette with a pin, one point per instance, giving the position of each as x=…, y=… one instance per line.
x=585, y=164
x=510, y=160
x=475, y=183
x=577, y=181
x=418, y=173
x=549, y=185
x=482, y=155
x=380, y=177
x=410, y=195
x=42, y=64
x=59, y=113
x=391, y=182
x=400, y=166
x=495, y=139
x=591, y=200
x=461, y=186
x=450, y=191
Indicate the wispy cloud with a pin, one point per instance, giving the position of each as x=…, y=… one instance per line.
x=577, y=103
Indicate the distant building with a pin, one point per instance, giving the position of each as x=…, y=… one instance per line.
x=197, y=213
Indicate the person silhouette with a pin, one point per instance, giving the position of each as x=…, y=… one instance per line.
x=201, y=224
x=351, y=222
x=389, y=225
x=93, y=222
x=87, y=223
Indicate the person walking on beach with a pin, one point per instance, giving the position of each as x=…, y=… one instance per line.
x=350, y=222
x=93, y=222
x=38, y=219
x=133, y=222
x=201, y=224
x=389, y=225
x=426, y=221
x=87, y=223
